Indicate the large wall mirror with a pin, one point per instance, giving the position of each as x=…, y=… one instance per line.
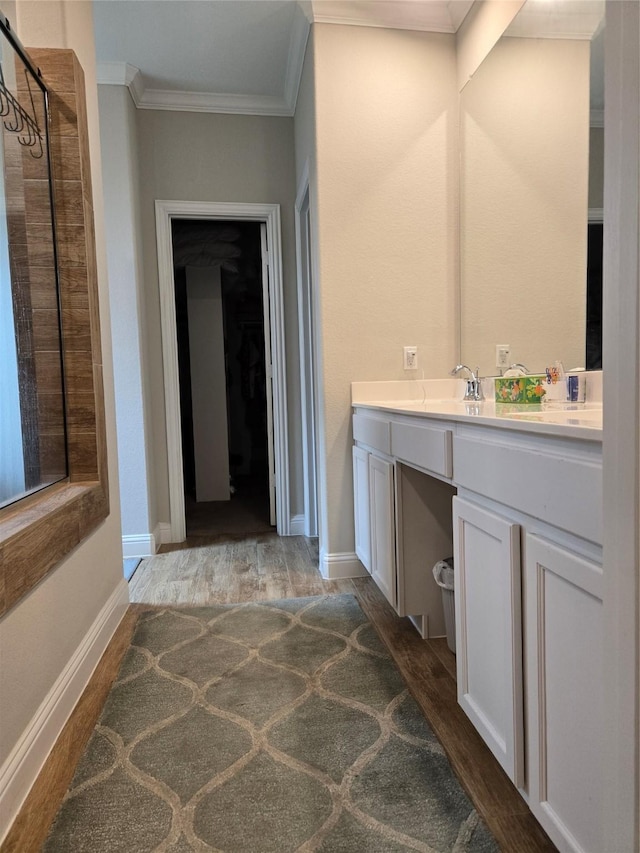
x=531, y=126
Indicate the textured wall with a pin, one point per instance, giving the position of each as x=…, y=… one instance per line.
x=217, y=158
x=119, y=140
x=386, y=162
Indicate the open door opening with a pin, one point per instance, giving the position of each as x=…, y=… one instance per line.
x=224, y=363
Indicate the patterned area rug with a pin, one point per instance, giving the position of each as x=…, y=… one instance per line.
x=259, y=728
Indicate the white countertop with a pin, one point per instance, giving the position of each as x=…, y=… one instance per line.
x=568, y=420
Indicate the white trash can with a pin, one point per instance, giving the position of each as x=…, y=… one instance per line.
x=443, y=575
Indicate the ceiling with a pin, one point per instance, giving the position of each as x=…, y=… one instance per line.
x=246, y=56
x=234, y=56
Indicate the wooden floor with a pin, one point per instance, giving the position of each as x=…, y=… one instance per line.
x=232, y=568
x=225, y=569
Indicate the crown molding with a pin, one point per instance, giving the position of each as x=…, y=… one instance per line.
x=124, y=74
x=121, y=74
x=438, y=16
x=210, y=102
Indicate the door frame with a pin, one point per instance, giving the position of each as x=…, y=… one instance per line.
x=308, y=361
x=269, y=214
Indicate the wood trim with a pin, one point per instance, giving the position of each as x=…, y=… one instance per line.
x=38, y=532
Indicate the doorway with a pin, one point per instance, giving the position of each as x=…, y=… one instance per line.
x=267, y=215
x=225, y=395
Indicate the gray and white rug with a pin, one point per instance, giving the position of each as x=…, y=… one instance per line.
x=263, y=728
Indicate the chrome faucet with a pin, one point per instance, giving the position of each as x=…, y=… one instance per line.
x=474, y=387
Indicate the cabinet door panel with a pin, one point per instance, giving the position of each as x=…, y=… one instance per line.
x=489, y=630
x=563, y=599
x=382, y=515
x=361, y=506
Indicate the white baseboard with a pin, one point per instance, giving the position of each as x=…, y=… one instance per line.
x=334, y=566
x=21, y=769
x=146, y=544
x=296, y=525
x=143, y=545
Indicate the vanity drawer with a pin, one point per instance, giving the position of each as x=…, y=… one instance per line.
x=424, y=446
x=560, y=489
x=373, y=432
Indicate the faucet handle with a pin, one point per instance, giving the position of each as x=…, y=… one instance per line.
x=477, y=383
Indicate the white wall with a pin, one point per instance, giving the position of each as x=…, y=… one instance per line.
x=386, y=207
x=218, y=158
x=208, y=383
x=119, y=142
x=39, y=636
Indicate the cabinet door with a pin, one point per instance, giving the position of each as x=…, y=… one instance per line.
x=382, y=516
x=361, y=506
x=489, y=630
x=565, y=719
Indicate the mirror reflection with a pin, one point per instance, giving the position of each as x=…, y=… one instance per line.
x=531, y=127
x=32, y=427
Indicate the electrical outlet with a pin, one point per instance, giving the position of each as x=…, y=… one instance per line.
x=411, y=358
x=503, y=353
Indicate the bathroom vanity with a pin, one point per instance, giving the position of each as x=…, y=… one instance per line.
x=515, y=494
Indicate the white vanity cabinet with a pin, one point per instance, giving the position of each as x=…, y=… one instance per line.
x=565, y=713
x=489, y=630
x=520, y=507
x=382, y=519
x=361, y=506
x=374, y=515
x=529, y=620
x=402, y=511
x=374, y=510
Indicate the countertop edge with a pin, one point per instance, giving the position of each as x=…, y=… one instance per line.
x=583, y=433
